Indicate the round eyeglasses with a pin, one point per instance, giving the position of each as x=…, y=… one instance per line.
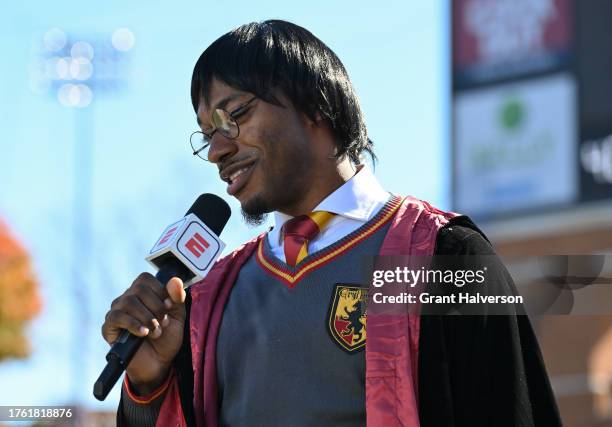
x=224, y=122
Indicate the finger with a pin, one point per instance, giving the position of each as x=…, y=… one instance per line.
x=133, y=305
x=152, y=300
x=175, y=290
x=118, y=320
x=155, y=333
x=147, y=280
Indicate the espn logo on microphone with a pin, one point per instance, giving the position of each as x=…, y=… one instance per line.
x=192, y=242
x=199, y=246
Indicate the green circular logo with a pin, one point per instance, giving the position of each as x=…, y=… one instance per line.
x=512, y=115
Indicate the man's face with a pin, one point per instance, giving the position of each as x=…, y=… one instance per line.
x=269, y=165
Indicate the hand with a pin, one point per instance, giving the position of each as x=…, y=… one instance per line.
x=147, y=309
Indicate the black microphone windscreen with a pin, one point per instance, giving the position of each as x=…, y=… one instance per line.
x=212, y=211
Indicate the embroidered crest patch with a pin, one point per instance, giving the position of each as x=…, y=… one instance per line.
x=347, y=317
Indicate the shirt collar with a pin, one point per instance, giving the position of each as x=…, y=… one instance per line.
x=356, y=199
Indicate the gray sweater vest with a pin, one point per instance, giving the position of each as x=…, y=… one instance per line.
x=295, y=356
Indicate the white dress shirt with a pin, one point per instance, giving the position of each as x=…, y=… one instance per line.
x=354, y=203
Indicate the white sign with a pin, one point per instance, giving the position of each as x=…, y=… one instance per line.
x=516, y=146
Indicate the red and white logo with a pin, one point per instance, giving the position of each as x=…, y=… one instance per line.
x=197, y=245
x=168, y=236
x=192, y=243
x=493, y=32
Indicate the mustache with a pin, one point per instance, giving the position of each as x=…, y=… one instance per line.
x=233, y=160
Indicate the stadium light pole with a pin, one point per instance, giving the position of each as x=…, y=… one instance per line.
x=74, y=69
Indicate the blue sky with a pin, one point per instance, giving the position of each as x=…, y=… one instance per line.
x=143, y=176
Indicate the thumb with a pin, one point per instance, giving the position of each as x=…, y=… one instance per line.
x=177, y=294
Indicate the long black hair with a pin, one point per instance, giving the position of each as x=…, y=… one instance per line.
x=275, y=54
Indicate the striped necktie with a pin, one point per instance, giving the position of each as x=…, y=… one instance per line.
x=299, y=231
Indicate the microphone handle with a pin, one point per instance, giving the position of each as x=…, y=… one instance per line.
x=123, y=349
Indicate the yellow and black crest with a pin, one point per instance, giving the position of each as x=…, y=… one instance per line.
x=347, y=317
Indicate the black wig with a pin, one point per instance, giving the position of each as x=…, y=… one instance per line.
x=278, y=55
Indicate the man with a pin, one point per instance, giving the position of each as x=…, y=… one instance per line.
x=274, y=335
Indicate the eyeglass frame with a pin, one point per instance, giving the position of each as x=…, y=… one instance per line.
x=208, y=136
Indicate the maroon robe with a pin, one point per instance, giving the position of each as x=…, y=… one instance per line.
x=392, y=340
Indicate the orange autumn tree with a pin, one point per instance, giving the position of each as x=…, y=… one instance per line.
x=19, y=297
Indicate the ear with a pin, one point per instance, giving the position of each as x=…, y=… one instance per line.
x=316, y=123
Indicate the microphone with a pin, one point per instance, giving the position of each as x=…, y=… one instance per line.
x=186, y=249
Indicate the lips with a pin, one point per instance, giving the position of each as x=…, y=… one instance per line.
x=237, y=175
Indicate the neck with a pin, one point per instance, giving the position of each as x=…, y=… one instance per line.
x=323, y=182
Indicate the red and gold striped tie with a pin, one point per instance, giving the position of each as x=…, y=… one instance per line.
x=299, y=231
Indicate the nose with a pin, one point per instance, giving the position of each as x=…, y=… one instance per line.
x=221, y=148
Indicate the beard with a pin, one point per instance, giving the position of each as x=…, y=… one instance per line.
x=280, y=192
x=254, y=212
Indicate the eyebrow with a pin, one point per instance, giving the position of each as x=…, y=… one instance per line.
x=222, y=104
